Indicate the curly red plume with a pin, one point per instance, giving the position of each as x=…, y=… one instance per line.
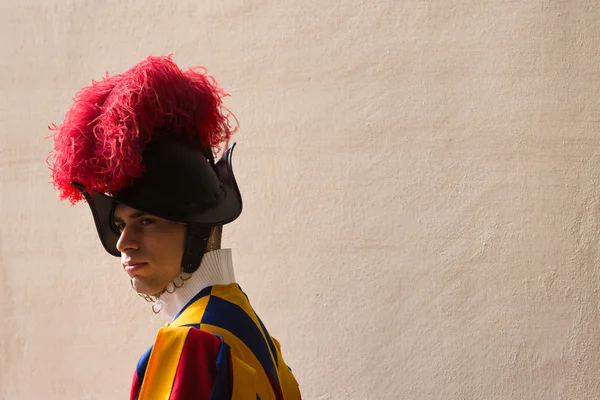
x=101, y=141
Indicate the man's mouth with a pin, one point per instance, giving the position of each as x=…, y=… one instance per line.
x=132, y=268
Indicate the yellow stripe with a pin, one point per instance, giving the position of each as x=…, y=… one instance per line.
x=163, y=362
x=261, y=383
x=193, y=314
x=287, y=380
x=233, y=294
x=244, y=380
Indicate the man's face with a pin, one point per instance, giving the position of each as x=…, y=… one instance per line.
x=151, y=248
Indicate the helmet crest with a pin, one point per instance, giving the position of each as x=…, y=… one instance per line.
x=105, y=132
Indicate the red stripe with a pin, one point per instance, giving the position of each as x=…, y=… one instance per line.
x=135, y=387
x=197, y=369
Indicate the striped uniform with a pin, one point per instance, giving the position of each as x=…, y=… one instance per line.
x=216, y=348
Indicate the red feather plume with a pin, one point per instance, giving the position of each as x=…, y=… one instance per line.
x=103, y=136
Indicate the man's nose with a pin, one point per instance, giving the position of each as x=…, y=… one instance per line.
x=128, y=241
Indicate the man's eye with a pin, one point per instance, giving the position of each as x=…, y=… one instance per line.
x=119, y=227
x=147, y=221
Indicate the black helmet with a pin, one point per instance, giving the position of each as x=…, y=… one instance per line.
x=145, y=138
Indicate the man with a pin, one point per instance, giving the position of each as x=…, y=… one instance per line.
x=138, y=147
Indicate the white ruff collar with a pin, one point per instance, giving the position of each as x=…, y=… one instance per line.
x=216, y=268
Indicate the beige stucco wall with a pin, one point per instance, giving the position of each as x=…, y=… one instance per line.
x=420, y=182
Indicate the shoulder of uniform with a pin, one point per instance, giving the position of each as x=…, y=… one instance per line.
x=187, y=335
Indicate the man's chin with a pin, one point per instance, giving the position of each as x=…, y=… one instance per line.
x=145, y=288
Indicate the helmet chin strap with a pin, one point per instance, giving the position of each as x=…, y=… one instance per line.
x=195, y=245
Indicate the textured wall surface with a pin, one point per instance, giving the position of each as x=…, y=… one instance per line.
x=420, y=178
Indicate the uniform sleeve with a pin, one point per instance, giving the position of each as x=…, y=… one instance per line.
x=187, y=363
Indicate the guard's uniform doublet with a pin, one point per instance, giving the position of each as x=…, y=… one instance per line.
x=216, y=348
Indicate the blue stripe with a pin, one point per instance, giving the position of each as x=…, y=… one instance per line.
x=269, y=341
x=197, y=326
x=271, y=344
x=222, y=388
x=204, y=292
x=140, y=369
x=233, y=318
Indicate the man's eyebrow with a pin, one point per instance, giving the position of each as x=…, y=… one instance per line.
x=134, y=215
